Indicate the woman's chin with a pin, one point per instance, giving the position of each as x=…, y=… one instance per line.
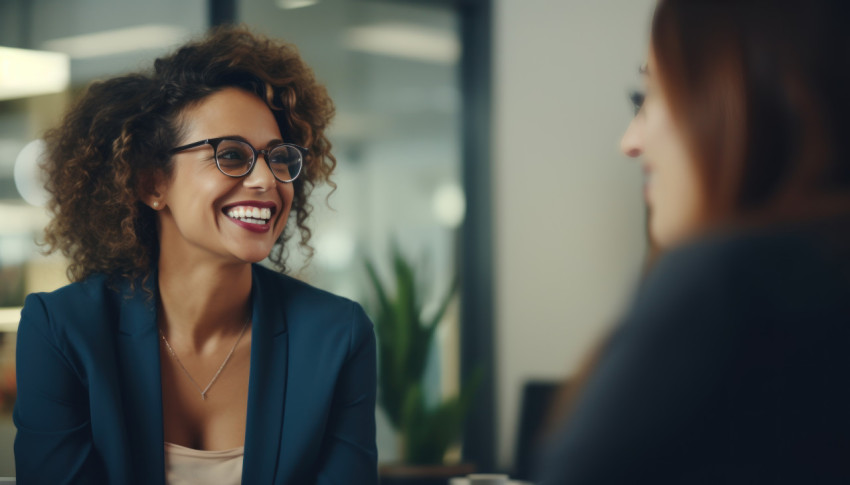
x=254, y=256
x=255, y=259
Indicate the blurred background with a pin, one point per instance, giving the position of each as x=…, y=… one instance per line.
x=481, y=137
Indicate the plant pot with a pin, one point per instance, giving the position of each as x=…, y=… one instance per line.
x=401, y=474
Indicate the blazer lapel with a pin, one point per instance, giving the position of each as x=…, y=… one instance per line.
x=141, y=388
x=267, y=381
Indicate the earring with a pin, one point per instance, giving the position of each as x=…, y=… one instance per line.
x=156, y=204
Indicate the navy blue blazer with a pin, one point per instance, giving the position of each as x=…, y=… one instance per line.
x=89, y=406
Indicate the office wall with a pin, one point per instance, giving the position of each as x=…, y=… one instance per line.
x=568, y=211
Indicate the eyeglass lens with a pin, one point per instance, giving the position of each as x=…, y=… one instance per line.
x=235, y=158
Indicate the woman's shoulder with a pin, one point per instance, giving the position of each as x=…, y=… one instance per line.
x=94, y=290
x=87, y=302
x=280, y=283
x=783, y=250
x=772, y=273
x=303, y=302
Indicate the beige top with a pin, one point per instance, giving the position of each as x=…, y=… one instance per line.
x=185, y=466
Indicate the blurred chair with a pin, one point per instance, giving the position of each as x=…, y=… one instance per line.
x=537, y=398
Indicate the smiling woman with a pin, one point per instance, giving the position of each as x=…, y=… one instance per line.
x=173, y=355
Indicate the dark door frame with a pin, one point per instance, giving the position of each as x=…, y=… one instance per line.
x=477, y=346
x=221, y=12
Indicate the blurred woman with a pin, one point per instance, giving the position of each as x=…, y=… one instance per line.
x=173, y=357
x=731, y=364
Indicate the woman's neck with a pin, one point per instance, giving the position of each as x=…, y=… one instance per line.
x=199, y=303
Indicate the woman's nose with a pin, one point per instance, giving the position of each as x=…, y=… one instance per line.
x=632, y=142
x=261, y=176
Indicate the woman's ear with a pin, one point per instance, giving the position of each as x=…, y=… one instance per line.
x=152, y=190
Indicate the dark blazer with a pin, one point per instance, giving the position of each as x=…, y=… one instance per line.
x=89, y=407
x=731, y=367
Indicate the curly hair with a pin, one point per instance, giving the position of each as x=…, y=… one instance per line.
x=118, y=135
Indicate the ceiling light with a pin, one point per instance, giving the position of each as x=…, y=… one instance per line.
x=405, y=40
x=290, y=4
x=25, y=72
x=119, y=41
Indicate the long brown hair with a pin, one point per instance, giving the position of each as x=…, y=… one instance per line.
x=760, y=90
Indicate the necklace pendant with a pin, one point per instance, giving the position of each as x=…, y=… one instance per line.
x=220, y=368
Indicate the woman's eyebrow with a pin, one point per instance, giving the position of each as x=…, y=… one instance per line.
x=273, y=141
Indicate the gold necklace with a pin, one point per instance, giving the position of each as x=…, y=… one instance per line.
x=220, y=368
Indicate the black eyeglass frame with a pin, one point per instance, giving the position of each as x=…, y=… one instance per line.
x=214, y=142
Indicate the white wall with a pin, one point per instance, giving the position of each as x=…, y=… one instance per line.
x=567, y=205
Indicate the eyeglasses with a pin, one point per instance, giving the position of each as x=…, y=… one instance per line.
x=237, y=158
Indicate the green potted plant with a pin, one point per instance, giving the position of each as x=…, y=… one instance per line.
x=405, y=339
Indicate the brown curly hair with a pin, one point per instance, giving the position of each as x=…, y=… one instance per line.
x=119, y=133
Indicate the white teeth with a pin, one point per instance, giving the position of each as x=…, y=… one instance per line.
x=253, y=215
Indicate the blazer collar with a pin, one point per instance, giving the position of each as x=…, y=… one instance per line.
x=141, y=381
x=267, y=382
